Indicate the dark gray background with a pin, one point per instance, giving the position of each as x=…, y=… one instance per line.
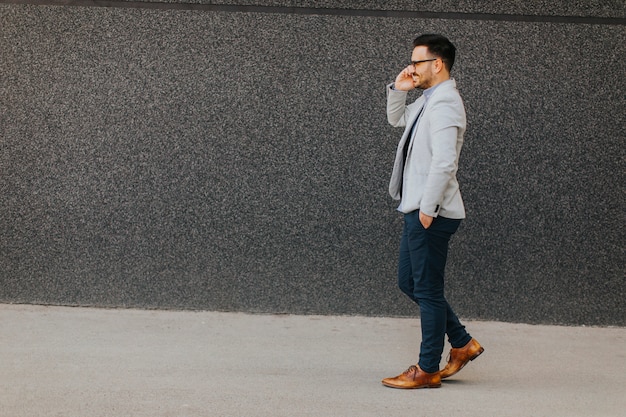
x=238, y=160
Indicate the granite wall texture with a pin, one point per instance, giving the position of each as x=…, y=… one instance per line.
x=239, y=160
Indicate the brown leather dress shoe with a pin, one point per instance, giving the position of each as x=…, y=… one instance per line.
x=412, y=378
x=459, y=357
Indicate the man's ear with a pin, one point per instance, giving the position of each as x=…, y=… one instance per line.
x=439, y=65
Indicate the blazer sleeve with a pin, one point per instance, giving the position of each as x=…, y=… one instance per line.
x=444, y=131
x=396, y=106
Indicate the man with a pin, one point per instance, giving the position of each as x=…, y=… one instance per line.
x=424, y=181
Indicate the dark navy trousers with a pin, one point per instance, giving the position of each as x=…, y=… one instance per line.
x=423, y=255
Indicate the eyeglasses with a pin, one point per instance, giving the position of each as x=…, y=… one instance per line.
x=416, y=63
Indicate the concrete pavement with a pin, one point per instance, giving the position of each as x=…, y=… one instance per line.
x=88, y=362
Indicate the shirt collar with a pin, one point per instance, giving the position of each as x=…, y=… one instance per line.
x=430, y=91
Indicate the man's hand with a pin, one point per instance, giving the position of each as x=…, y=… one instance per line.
x=426, y=220
x=404, y=80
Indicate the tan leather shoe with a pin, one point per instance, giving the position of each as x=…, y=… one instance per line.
x=459, y=357
x=412, y=378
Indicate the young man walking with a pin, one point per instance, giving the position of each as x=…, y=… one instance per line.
x=424, y=181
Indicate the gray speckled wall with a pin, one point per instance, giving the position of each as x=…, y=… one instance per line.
x=237, y=160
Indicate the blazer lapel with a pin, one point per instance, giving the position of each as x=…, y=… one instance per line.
x=395, y=183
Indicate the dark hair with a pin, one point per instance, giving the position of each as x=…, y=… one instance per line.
x=439, y=46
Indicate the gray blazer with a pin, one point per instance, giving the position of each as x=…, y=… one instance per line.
x=428, y=180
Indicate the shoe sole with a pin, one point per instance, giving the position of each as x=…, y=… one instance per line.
x=422, y=386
